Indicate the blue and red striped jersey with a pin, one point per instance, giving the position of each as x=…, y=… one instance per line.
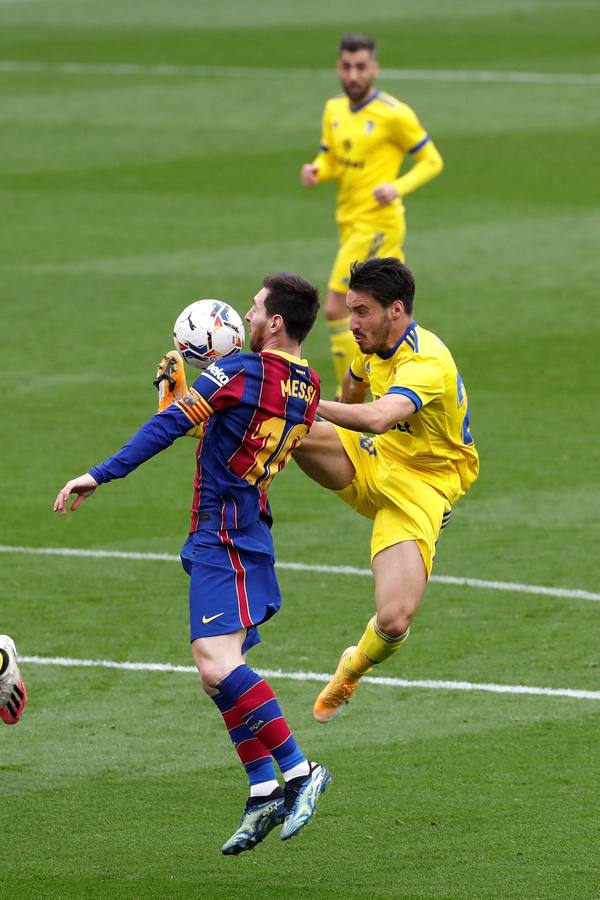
x=257, y=408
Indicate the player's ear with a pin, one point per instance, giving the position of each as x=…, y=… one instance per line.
x=276, y=323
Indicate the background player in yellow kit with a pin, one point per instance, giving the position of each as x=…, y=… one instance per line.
x=407, y=477
x=366, y=135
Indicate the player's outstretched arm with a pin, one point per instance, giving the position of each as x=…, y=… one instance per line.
x=83, y=486
x=376, y=417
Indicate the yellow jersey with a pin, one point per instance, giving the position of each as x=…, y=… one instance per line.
x=363, y=147
x=436, y=441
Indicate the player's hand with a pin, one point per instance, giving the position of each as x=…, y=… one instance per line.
x=309, y=175
x=385, y=194
x=84, y=486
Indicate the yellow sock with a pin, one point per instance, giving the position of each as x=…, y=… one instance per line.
x=373, y=647
x=343, y=348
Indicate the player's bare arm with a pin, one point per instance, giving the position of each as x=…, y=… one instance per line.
x=377, y=417
x=83, y=486
x=353, y=391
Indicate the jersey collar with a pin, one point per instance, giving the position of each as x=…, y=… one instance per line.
x=408, y=336
x=288, y=356
x=355, y=109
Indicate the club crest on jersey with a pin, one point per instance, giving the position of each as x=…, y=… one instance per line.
x=369, y=126
x=191, y=398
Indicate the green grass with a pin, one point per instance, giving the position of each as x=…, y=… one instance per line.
x=124, y=197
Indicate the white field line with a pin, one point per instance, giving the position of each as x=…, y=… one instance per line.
x=165, y=70
x=434, y=685
x=512, y=587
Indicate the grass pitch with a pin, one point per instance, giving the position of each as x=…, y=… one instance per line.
x=126, y=193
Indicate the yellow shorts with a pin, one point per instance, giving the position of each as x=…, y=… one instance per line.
x=360, y=242
x=402, y=505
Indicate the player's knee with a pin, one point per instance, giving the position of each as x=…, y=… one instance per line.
x=395, y=622
x=209, y=669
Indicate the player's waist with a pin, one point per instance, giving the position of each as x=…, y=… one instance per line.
x=370, y=212
x=214, y=512
x=441, y=472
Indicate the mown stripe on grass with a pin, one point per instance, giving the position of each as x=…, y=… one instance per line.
x=479, y=583
x=428, y=684
x=167, y=70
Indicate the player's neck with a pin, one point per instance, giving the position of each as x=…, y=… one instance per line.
x=365, y=98
x=293, y=348
x=398, y=332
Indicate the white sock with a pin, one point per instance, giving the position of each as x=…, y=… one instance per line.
x=302, y=768
x=263, y=788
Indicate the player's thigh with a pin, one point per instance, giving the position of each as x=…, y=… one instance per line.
x=409, y=510
x=323, y=458
x=233, y=585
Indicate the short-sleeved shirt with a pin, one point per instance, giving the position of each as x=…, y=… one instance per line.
x=436, y=442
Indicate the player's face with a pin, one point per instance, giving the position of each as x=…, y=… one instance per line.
x=357, y=71
x=370, y=322
x=257, y=319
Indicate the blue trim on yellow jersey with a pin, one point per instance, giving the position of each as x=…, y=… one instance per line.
x=419, y=145
x=406, y=392
x=351, y=373
x=410, y=336
x=362, y=105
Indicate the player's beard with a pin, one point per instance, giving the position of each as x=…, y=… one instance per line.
x=379, y=339
x=257, y=338
x=355, y=93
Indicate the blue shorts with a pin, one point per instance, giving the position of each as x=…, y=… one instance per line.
x=232, y=581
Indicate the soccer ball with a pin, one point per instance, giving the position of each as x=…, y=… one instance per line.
x=206, y=330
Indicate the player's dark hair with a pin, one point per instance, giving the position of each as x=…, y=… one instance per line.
x=356, y=41
x=295, y=299
x=386, y=279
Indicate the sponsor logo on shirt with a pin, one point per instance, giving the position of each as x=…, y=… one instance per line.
x=217, y=374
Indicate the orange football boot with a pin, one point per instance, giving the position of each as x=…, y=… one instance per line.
x=170, y=379
x=334, y=698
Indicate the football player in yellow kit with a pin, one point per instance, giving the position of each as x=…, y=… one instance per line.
x=407, y=477
x=366, y=135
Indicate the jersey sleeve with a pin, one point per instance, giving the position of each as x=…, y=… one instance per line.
x=220, y=385
x=407, y=131
x=155, y=435
x=421, y=379
x=357, y=368
x=325, y=157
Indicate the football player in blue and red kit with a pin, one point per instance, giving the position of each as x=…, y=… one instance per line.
x=256, y=408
